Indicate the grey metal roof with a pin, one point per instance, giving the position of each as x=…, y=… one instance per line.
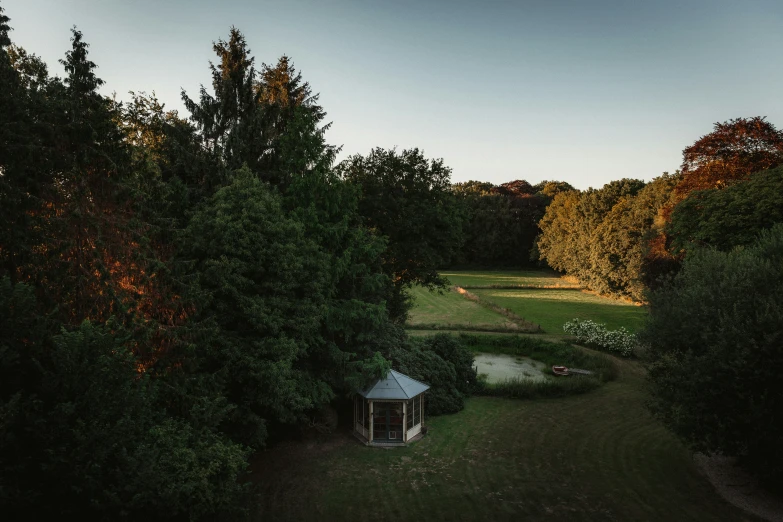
x=395, y=386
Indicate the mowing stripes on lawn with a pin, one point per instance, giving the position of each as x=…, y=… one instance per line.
x=508, y=279
x=451, y=310
x=553, y=308
x=593, y=457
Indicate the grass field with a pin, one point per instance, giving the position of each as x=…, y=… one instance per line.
x=596, y=457
x=552, y=308
x=508, y=278
x=450, y=308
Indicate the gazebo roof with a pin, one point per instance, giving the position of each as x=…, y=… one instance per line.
x=396, y=386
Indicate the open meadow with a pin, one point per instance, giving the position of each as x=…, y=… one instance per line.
x=447, y=309
x=597, y=456
x=540, y=297
x=551, y=308
x=508, y=279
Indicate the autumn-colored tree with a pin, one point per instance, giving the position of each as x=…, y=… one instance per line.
x=734, y=150
x=517, y=188
x=731, y=153
x=551, y=188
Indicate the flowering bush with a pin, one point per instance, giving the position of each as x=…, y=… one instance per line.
x=595, y=334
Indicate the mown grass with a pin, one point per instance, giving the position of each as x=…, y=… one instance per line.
x=452, y=311
x=592, y=457
x=553, y=308
x=508, y=279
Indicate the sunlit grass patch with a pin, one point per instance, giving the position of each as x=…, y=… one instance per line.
x=449, y=309
x=553, y=308
x=508, y=279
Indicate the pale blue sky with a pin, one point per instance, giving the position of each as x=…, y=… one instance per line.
x=580, y=91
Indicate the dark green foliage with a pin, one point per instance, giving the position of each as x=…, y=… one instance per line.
x=260, y=286
x=443, y=363
x=261, y=120
x=85, y=435
x=728, y=217
x=715, y=335
x=406, y=198
x=500, y=222
x=218, y=304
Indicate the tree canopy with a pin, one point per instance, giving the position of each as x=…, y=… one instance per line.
x=714, y=381
x=406, y=198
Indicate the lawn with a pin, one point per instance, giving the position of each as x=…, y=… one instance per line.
x=552, y=308
x=450, y=309
x=508, y=278
x=598, y=456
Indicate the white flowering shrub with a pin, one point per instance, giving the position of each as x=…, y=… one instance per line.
x=619, y=341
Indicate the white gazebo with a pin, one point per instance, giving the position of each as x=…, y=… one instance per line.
x=389, y=411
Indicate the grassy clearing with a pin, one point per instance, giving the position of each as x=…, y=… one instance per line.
x=508, y=279
x=592, y=457
x=452, y=311
x=424, y=332
x=553, y=308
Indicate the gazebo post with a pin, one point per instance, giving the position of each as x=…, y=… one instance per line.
x=371, y=422
x=405, y=421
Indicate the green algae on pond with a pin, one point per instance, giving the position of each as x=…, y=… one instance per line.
x=499, y=368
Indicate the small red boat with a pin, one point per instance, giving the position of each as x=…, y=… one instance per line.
x=560, y=370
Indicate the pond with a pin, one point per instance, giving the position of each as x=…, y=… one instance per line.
x=499, y=368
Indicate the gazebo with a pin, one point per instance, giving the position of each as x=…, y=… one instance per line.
x=389, y=411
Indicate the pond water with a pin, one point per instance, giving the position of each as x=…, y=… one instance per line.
x=501, y=367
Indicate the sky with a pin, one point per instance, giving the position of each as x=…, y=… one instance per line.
x=580, y=91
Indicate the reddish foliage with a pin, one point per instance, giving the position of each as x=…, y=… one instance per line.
x=517, y=188
x=733, y=151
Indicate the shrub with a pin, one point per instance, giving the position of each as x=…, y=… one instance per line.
x=619, y=341
x=715, y=334
x=85, y=435
x=442, y=362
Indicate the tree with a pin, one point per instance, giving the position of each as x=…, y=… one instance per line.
x=406, y=198
x=733, y=151
x=552, y=188
x=728, y=217
x=444, y=364
x=230, y=120
x=579, y=234
x=500, y=222
x=259, y=285
x=85, y=434
x=295, y=121
x=258, y=119
x=715, y=333
x=621, y=246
